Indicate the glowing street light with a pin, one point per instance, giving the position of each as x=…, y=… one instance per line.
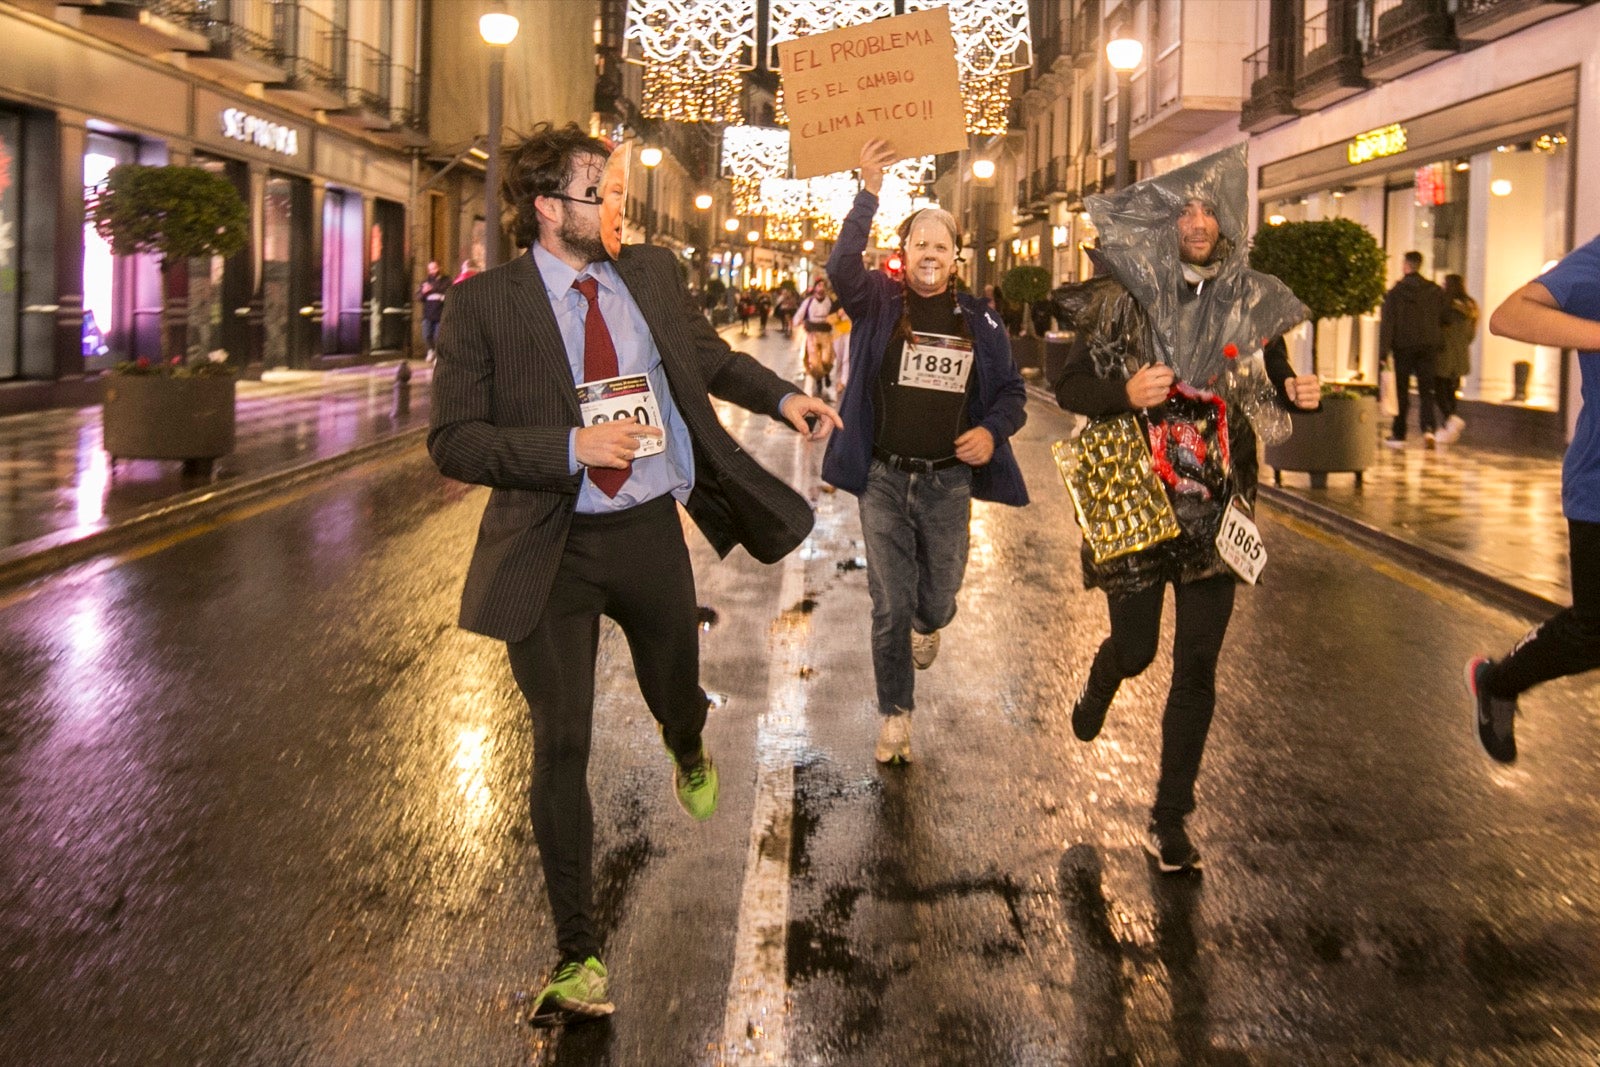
x=1124, y=54
x=498, y=29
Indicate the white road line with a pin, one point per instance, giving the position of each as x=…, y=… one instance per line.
x=755, y=1027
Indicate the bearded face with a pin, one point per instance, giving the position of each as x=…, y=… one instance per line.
x=579, y=229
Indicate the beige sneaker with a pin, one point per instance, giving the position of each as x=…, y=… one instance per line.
x=924, y=649
x=894, y=739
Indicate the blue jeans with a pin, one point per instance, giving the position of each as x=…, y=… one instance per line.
x=915, y=527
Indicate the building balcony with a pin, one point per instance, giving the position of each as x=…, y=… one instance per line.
x=1056, y=181
x=242, y=45
x=1330, y=66
x=315, y=59
x=1407, y=34
x=408, y=120
x=1268, y=88
x=1487, y=20
x=368, y=91
x=1084, y=41
x=148, y=27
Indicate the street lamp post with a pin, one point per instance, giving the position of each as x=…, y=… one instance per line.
x=983, y=174
x=1124, y=55
x=650, y=156
x=498, y=29
x=703, y=202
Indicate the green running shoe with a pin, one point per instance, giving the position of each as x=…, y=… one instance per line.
x=696, y=786
x=577, y=992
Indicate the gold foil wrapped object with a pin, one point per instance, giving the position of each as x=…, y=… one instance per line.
x=1121, y=505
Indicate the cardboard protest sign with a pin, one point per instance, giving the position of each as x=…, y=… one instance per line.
x=894, y=79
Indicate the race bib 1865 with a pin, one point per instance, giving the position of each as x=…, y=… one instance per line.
x=1239, y=542
x=936, y=361
x=626, y=396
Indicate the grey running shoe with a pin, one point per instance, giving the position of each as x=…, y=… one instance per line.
x=1494, y=719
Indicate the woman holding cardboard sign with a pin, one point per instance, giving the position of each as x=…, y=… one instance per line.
x=932, y=401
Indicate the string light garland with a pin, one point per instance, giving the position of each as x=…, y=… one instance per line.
x=789, y=20
x=685, y=94
x=710, y=35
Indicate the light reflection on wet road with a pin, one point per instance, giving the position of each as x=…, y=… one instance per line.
x=261, y=803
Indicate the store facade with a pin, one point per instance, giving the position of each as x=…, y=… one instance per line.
x=323, y=279
x=1477, y=163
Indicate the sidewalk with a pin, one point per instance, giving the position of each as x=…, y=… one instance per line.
x=1486, y=519
x=61, y=502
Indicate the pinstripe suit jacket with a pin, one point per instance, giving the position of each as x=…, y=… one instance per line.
x=504, y=403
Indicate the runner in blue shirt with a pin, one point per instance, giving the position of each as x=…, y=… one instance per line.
x=1560, y=309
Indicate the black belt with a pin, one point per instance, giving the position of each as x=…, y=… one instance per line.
x=912, y=465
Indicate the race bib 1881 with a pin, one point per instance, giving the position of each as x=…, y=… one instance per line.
x=936, y=361
x=626, y=396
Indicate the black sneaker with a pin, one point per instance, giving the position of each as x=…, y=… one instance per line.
x=1089, y=714
x=1494, y=719
x=1169, y=845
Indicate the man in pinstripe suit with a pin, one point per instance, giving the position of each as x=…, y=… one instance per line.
x=537, y=362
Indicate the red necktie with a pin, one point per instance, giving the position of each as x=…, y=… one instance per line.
x=599, y=361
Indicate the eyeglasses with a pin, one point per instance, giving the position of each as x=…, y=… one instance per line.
x=592, y=197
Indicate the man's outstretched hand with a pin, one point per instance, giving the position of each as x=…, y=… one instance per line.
x=824, y=420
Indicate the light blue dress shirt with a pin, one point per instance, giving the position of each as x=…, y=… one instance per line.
x=671, y=471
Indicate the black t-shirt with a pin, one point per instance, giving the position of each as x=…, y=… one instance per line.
x=920, y=421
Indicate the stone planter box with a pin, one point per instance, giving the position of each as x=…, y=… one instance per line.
x=153, y=417
x=1341, y=438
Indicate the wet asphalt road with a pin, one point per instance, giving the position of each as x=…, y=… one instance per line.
x=262, y=803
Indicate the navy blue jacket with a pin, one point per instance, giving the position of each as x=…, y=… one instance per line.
x=873, y=301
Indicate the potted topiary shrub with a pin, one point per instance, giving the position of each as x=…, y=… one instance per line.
x=1336, y=268
x=1025, y=286
x=172, y=407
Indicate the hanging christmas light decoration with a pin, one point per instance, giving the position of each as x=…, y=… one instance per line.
x=694, y=53
x=749, y=154
x=987, y=102
x=992, y=36
x=789, y=20
x=904, y=191
x=687, y=95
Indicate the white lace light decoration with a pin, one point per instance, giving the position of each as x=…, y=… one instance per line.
x=992, y=36
x=694, y=53
x=712, y=36
x=904, y=191
x=755, y=152
x=788, y=20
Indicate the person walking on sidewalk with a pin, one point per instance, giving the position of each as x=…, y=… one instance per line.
x=933, y=400
x=1560, y=309
x=1455, y=358
x=1411, y=334
x=541, y=363
x=431, y=292
x=1152, y=333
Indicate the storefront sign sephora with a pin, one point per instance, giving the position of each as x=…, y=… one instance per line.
x=263, y=133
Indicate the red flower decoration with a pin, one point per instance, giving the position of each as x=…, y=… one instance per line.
x=143, y=362
x=1231, y=350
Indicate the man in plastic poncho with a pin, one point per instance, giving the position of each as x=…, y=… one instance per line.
x=1172, y=293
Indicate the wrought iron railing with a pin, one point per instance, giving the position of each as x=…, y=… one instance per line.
x=313, y=46
x=406, y=109
x=240, y=24
x=371, y=79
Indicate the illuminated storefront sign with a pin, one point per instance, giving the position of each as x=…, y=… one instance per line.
x=263, y=133
x=1389, y=140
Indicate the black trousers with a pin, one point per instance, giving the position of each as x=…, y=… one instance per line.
x=1417, y=363
x=633, y=567
x=1568, y=642
x=1444, y=394
x=1203, y=611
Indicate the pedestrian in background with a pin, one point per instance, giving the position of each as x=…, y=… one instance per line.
x=469, y=267
x=1185, y=298
x=431, y=292
x=583, y=520
x=814, y=316
x=787, y=304
x=1411, y=334
x=1455, y=357
x=933, y=400
x=1560, y=309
